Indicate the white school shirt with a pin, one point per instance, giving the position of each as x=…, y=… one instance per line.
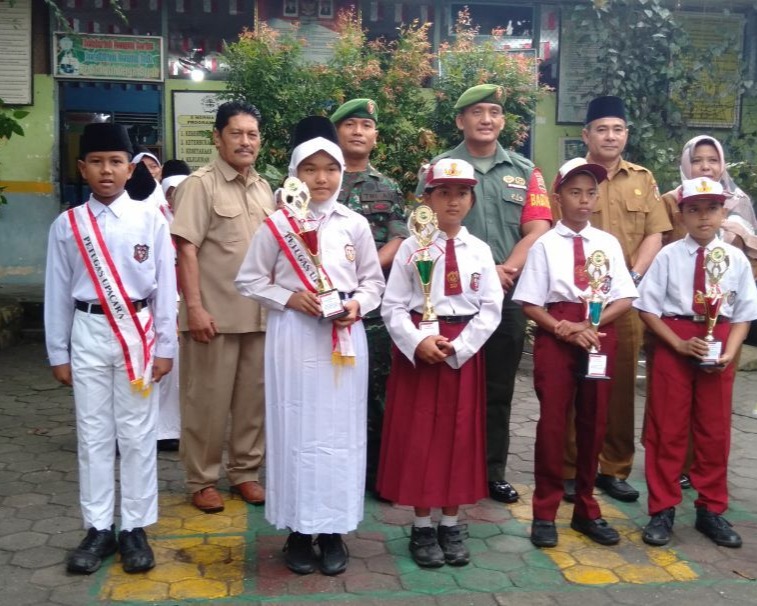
x=125, y=224
x=482, y=295
x=547, y=276
x=348, y=255
x=668, y=286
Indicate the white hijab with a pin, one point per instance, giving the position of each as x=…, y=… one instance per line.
x=306, y=149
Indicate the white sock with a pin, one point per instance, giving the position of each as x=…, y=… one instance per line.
x=422, y=522
x=448, y=520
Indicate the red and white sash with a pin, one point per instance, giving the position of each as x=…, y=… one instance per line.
x=137, y=340
x=284, y=227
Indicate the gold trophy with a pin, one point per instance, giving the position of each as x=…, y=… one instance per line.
x=716, y=262
x=423, y=224
x=296, y=199
x=598, y=271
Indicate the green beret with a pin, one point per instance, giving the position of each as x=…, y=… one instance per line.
x=356, y=108
x=483, y=93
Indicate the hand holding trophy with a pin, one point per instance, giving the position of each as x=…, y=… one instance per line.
x=296, y=200
x=598, y=271
x=423, y=225
x=716, y=262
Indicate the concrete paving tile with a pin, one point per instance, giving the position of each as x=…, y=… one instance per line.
x=26, y=499
x=509, y=544
x=22, y=540
x=370, y=582
x=462, y=599
x=69, y=499
x=13, y=525
x=40, y=512
x=520, y=599
x=364, y=548
x=53, y=576
x=480, y=579
x=536, y=578
x=28, y=465
x=429, y=581
x=38, y=556
x=67, y=540
x=9, y=489
x=57, y=524
x=18, y=591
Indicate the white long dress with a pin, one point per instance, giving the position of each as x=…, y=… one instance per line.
x=315, y=411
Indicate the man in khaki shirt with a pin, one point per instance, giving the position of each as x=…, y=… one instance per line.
x=630, y=208
x=217, y=210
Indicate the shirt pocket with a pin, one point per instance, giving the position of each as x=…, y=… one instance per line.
x=227, y=225
x=636, y=211
x=513, y=201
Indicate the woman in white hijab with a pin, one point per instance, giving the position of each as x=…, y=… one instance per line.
x=316, y=371
x=703, y=157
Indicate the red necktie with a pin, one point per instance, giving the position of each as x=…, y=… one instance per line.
x=699, y=283
x=580, y=277
x=451, y=272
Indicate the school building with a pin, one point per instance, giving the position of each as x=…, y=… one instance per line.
x=159, y=72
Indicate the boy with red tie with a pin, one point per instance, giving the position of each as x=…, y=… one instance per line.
x=553, y=288
x=693, y=284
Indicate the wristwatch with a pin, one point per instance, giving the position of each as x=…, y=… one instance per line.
x=636, y=277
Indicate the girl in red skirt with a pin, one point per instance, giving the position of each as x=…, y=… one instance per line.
x=433, y=451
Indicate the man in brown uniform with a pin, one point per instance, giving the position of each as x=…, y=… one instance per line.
x=630, y=208
x=217, y=210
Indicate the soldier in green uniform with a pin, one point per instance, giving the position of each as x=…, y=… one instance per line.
x=512, y=210
x=379, y=199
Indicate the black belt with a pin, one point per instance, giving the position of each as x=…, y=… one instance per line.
x=456, y=319
x=94, y=308
x=699, y=318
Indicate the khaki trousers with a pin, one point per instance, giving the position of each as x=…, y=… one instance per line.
x=617, y=453
x=218, y=380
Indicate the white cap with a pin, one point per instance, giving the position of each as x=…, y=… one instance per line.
x=138, y=158
x=701, y=188
x=172, y=181
x=577, y=166
x=450, y=170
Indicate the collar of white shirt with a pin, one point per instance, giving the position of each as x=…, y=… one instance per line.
x=463, y=236
x=116, y=207
x=692, y=245
x=565, y=231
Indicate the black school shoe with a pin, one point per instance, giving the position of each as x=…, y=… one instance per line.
x=424, y=547
x=660, y=528
x=136, y=553
x=299, y=555
x=717, y=528
x=619, y=490
x=503, y=492
x=89, y=555
x=597, y=530
x=569, y=490
x=543, y=533
x=684, y=481
x=168, y=445
x=452, y=542
x=334, y=554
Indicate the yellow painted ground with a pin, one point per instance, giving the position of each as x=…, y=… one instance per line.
x=584, y=562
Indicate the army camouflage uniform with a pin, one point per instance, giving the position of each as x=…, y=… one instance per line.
x=380, y=200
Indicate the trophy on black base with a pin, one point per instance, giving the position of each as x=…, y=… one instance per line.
x=716, y=262
x=598, y=271
x=423, y=225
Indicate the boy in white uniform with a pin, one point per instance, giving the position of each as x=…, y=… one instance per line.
x=110, y=322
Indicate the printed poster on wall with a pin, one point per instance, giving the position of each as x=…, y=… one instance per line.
x=16, y=51
x=106, y=57
x=193, y=115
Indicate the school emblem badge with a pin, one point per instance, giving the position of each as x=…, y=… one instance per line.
x=475, y=281
x=141, y=252
x=452, y=170
x=349, y=252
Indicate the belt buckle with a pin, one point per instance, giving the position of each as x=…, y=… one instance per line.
x=698, y=318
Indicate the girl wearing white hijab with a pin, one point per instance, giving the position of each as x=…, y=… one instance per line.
x=703, y=157
x=316, y=372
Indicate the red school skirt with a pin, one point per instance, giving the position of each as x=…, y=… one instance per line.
x=433, y=445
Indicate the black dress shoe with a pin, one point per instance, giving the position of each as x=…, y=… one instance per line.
x=503, y=492
x=617, y=489
x=660, y=528
x=334, y=554
x=136, y=553
x=170, y=445
x=543, y=533
x=89, y=555
x=299, y=554
x=716, y=527
x=452, y=542
x=684, y=481
x=569, y=490
x=424, y=547
x=597, y=530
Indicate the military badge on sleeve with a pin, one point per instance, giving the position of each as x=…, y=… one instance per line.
x=141, y=252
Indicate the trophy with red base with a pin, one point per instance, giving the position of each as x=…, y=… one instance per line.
x=296, y=201
x=716, y=262
x=423, y=224
x=598, y=271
